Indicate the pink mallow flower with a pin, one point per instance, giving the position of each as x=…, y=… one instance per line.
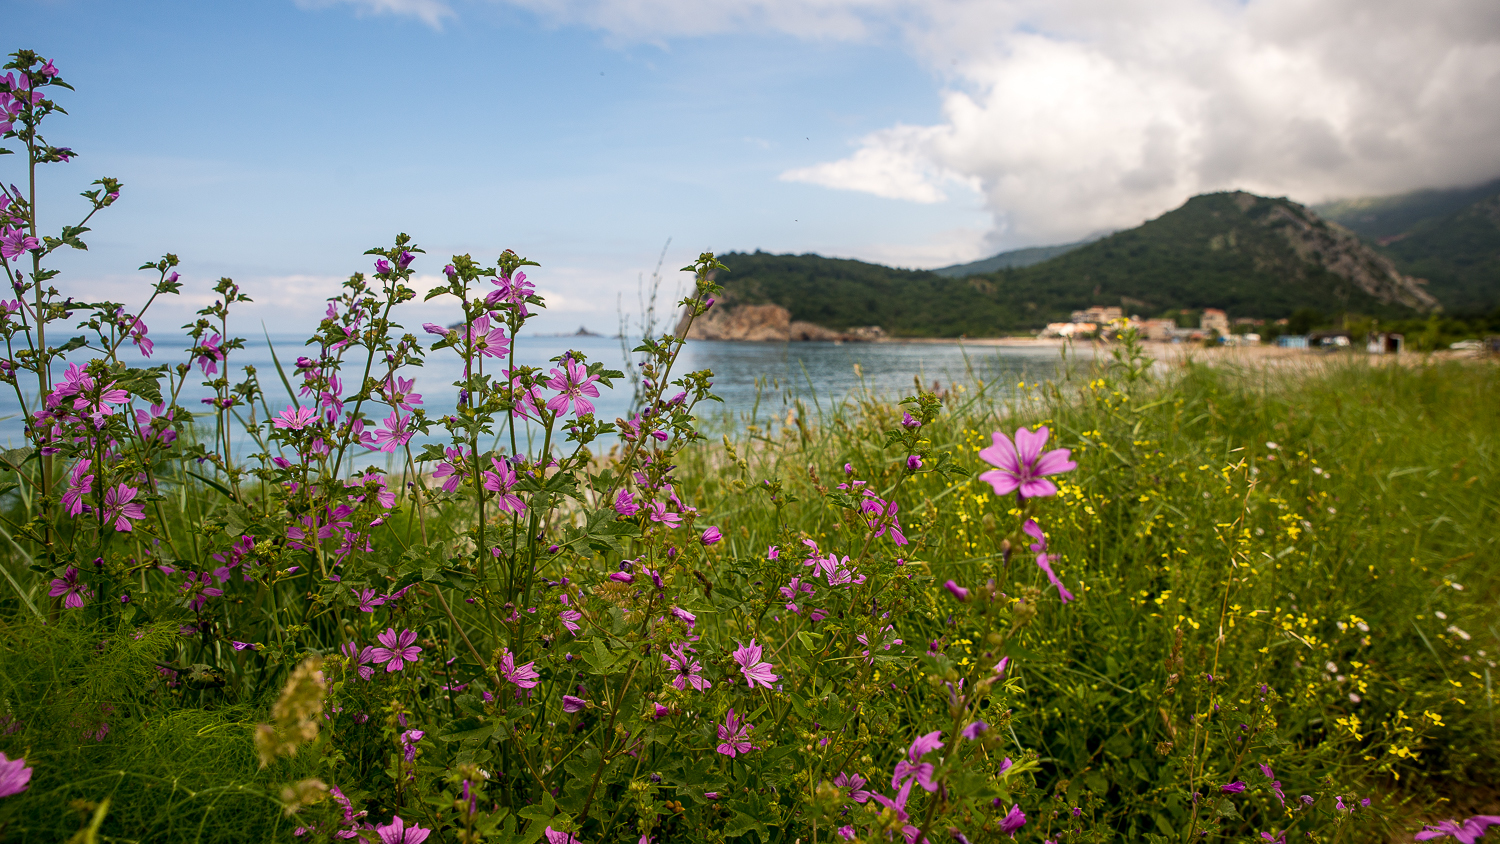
x=856, y=785
x=295, y=418
x=70, y=589
x=80, y=485
x=499, y=482
x=397, y=832
x=687, y=668
x=1467, y=832
x=1013, y=821
x=625, y=504
x=1044, y=560
x=121, y=508
x=398, y=649
x=734, y=736
x=572, y=385
x=912, y=766
x=524, y=676
x=751, y=666
x=393, y=433
x=1022, y=465
x=15, y=776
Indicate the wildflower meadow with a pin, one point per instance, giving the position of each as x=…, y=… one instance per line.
x=340, y=602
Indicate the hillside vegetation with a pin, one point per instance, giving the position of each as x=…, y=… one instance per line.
x=1250, y=255
x=1451, y=238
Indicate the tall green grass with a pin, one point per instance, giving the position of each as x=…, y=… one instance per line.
x=1322, y=542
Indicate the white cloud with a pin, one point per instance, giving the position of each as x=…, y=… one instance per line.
x=1071, y=116
x=430, y=12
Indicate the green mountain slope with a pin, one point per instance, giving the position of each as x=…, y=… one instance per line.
x=1458, y=254
x=1011, y=259
x=841, y=294
x=1451, y=238
x=1250, y=255
x=1253, y=256
x=1380, y=217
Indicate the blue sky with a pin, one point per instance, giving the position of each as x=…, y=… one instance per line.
x=274, y=141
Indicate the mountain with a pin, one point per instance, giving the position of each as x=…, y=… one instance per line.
x=841, y=294
x=1449, y=237
x=1250, y=255
x=1013, y=258
x=1380, y=218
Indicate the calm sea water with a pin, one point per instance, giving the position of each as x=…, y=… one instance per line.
x=757, y=381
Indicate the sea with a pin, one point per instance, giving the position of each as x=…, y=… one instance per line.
x=759, y=383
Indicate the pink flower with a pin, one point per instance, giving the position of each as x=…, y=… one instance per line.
x=295, y=418
x=210, y=355
x=625, y=504
x=773, y=552
x=1013, y=820
x=398, y=392
x=452, y=469
x=686, y=617
x=488, y=342
x=397, y=832
x=885, y=519
x=360, y=658
x=1467, y=832
x=570, y=620
x=855, y=783
x=393, y=433
x=524, y=676
x=574, y=704
x=1022, y=465
x=660, y=514
x=80, y=484
x=555, y=837
x=1044, y=560
x=1235, y=787
x=499, y=482
x=1001, y=666
x=751, y=666
x=15, y=776
x=972, y=731
x=121, y=508
x=398, y=650
x=711, y=536
x=958, y=592
x=688, y=669
x=734, y=736
x=573, y=386
x=368, y=599
x=912, y=767
x=15, y=242
x=69, y=589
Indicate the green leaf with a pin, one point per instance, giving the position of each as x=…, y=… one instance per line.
x=468, y=731
x=1226, y=809
x=14, y=457
x=740, y=824
x=213, y=483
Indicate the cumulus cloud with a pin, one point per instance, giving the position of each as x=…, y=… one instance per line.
x=1071, y=116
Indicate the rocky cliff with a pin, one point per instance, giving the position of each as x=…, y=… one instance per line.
x=1341, y=252
x=766, y=323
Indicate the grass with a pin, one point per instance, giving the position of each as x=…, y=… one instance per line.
x=1320, y=544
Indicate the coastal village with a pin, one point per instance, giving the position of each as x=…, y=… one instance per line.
x=1214, y=327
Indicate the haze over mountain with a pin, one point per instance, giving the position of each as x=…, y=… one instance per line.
x=1449, y=237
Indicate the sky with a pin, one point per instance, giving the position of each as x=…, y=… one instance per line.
x=274, y=141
